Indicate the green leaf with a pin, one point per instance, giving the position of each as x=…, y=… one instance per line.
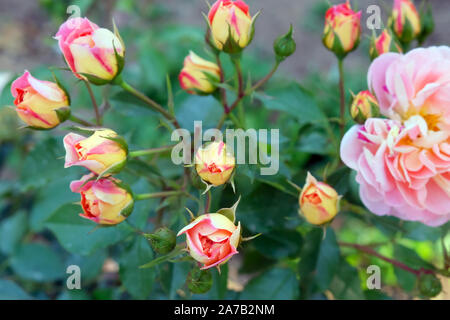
x=81, y=236
x=45, y=163
x=11, y=291
x=406, y=279
x=319, y=261
x=346, y=284
x=12, y=231
x=266, y=209
x=138, y=282
x=90, y=266
x=173, y=277
x=279, y=243
x=295, y=101
x=420, y=232
x=38, y=263
x=50, y=198
x=275, y=284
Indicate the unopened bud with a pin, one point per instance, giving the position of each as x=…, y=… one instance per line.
x=364, y=106
x=319, y=202
x=199, y=281
x=429, y=285
x=162, y=240
x=284, y=45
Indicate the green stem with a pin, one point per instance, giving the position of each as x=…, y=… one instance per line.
x=208, y=202
x=342, y=97
x=146, y=196
x=151, y=103
x=147, y=152
x=98, y=117
x=81, y=121
x=223, y=92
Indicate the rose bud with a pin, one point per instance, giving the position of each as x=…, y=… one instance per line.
x=105, y=201
x=104, y=152
x=214, y=164
x=405, y=21
x=199, y=281
x=382, y=44
x=429, y=285
x=426, y=22
x=364, y=106
x=231, y=25
x=92, y=53
x=162, y=240
x=212, y=239
x=198, y=75
x=342, y=29
x=319, y=203
x=40, y=104
x=284, y=46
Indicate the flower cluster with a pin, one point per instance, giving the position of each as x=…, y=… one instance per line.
x=96, y=56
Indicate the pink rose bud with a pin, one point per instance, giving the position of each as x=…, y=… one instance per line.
x=199, y=75
x=231, y=25
x=364, y=106
x=212, y=239
x=342, y=29
x=214, y=164
x=105, y=201
x=104, y=152
x=92, y=53
x=405, y=21
x=382, y=44
x=40, y=104
x=319, y=203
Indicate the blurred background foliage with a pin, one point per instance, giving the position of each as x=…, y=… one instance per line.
x=40, y=230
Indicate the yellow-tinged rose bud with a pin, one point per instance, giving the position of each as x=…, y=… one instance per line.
x=104, y=152
x=198, y=75
x=216, y=246
x=214, y=163
x=40, y=104
x=319, y=203
x=364, y=106
x=382, y=44
x=342, y=29
x=105, y=201
x=405, y=21
x=231, y=25
x=92, y=53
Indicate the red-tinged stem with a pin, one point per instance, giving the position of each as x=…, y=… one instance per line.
x=398, y=264
x=98, y=117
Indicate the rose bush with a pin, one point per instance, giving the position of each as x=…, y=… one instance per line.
x=129, y=187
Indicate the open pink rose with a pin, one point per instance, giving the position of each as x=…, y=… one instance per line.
x=403, y=163
x=403, y=170
x=212, y=239
x=89, y=50
x=417, y=83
